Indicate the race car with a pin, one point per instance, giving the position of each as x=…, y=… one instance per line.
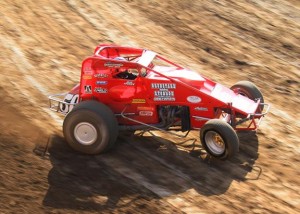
x=127, y=89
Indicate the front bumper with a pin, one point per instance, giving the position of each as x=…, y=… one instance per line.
x=252, y=121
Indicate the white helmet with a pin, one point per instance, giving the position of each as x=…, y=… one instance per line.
x=120, y=58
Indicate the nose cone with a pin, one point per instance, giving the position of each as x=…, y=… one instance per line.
x=240, y=103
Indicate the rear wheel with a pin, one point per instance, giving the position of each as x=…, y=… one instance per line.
x=219, y=139
x=90, y=128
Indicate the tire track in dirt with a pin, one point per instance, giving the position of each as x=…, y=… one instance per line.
x=19, y=91
x=270, y=33
x=81, y=30
x=287, y=8
x=20, y=83
x=48, y=51
x=104, y=27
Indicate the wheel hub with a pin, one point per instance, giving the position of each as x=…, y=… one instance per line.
x=215, y=142
x=85, y=133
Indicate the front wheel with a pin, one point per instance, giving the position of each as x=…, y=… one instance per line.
x=249, y=90
x=219, y=139
x=90, y=128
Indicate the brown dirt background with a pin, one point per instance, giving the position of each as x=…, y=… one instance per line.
x=42, y=45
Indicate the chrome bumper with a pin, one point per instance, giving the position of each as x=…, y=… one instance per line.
x=59, y=103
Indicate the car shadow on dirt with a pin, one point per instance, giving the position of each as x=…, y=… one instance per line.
x=109, y=181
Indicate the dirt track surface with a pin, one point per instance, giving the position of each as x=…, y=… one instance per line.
x=42, y=46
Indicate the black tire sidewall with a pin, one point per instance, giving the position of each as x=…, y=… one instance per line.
x=76, y=117
x=228, y=135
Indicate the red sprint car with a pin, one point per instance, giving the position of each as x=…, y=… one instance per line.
x=129, y=89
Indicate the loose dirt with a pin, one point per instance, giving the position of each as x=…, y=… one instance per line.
x=42, y=46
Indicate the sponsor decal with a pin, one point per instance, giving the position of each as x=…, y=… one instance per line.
x=164, y=98
x=163, y=85
x=87, y=89
x=146, y=113
x=100, y=90
x=129, y=83
x=145, y=108
x=193, y=99
x=201, y=108
x=101, y=75
x=101, y=82
x=87, y=77
x=138, y=101
x=87, y=70
x=113, y=64
x=164, y=93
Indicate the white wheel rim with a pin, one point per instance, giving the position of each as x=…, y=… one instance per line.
x=215, y=142
x=85, y=133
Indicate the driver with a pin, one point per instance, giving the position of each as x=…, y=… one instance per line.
x=124, y=74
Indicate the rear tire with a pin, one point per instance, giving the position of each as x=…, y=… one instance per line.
x=90, y=128
x=219, y=139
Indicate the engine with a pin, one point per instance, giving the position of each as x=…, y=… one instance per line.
x=174, y=116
